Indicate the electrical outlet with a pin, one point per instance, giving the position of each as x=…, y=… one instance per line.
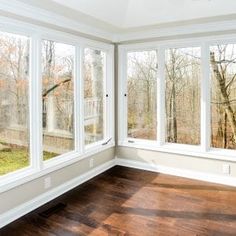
x=91, y=162
x=226, y=169
x=47, y=182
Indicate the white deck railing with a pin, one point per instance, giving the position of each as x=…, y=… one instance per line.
x=91, y=107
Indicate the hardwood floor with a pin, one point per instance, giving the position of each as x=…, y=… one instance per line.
x=125, y=201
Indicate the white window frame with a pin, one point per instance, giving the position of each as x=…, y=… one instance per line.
x=124, y=113
x=180, y=46
x=64, y=156
x=108, y=118
x=203, y=150
x=38, y=167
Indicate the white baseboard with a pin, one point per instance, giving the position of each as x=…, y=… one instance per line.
x=212, y=178
x=33, y=204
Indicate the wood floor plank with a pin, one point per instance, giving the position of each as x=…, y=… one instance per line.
x=130, y=202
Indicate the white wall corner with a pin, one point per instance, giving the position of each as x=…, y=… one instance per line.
x=33, y=204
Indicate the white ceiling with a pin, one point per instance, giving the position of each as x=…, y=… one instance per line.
x=138, y=13
x=125, y=20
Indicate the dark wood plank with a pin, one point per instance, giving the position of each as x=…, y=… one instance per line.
x=125, y=201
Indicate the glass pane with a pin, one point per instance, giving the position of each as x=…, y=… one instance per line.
x=94, y=79
x=58, y=96
x=142, y=94
x=14, y=106
x=223, y=96
x=183, y=76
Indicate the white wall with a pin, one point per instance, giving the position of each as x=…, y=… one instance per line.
x=34, y=189
x=199, y=165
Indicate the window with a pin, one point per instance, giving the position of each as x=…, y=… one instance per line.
x=58, y=98
x=180, y=97
x=94, y=85
x=223, y=96
x=14, y=105
x=142, y=94
x=183, y=76
x=55, y=107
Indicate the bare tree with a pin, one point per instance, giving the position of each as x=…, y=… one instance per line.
x=182, y=96
x=222, y=59
x=142, y=85
x=58, y=87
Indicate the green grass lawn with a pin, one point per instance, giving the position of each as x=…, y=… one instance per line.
x=17, y=158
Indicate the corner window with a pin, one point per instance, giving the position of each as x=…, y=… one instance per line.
x=56, y=100
x=179, y=95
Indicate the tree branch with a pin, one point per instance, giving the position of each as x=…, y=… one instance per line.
x=55, y=86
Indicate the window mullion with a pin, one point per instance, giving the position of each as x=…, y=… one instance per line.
x=105, y=99
x=36, y=103
x=109, y=96
x=80, y=97
x=161, y=97
x=125, y=96
x=205, y=99
x=77, y=101
x=123, y=104
x=112, y=104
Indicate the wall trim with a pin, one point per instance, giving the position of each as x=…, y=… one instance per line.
x=28, y=12
x=44, y=198
x=26, y=175
x=34, y=203
x=197, y=175
x=108, y=33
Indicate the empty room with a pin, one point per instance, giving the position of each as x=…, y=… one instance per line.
x=117, y=118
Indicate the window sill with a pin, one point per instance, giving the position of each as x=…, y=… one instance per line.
x=23, y=176
x=186, y=150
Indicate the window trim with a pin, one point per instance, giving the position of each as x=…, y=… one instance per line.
x=203, y=150
x=158, y=108
x=76, y=104
x=106, y=100
x=201, y=88
x=38, y=167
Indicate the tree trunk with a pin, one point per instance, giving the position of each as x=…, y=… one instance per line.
x=221, y=83
x=169, y=121
x=225, y=131
x=97, y=88
x=174, y=128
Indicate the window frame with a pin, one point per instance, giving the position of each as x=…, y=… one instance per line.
x=38, y=167
x=32, y=162
x=203, y=150
x=202, y=79
x=158, y=99
x=56, y=160
x=107, y=118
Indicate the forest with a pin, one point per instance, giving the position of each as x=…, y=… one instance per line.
x=183, y=95
x=183, y=80
x=58, y=94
